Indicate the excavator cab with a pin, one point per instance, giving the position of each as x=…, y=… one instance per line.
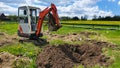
x=27, y=16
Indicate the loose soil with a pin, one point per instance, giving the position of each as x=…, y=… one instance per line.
x=72, y=37
x=67, y=56
x=8, y=60
x=7, y=39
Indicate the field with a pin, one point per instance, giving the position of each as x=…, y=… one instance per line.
x=94, y=22
x=111, y=25
x=27, y=54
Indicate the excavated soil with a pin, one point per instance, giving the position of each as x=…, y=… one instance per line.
x=71, y=37
x=67, y=56
x=8, y=60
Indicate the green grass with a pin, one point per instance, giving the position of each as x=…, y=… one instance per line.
x=114, y=54
x=67, y=30
x=112, y=35
x=26, y=50
x=31, y=51
x=8, y=27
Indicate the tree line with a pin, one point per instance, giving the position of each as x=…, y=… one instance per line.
x=107, y=18
x=95, y=18
x=84, y=18
x=66, y=18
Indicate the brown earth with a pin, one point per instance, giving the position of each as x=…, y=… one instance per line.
x=87, y=34
x=67, y=56
x=71, y=37
x=8, y=60
x=7, y=39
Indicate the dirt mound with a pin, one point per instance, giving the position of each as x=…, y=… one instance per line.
x=8, y=60
x=71, y=37
x=68, y=56
x=68, y=38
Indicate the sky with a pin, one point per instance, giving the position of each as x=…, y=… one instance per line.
x=69, y=8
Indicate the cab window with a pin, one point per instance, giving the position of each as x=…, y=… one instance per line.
x=23, y=16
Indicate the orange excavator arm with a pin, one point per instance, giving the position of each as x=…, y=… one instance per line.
x=53, y=10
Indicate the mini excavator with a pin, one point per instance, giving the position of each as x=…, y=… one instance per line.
x=31, y=20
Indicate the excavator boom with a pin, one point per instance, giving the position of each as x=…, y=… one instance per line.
x=52, y=10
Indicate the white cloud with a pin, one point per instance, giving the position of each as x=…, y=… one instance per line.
x=65, y=7
x=118, y=2
x=83, y=7
x=7, y=9
x=13, y=1
x=57, y=2
x=111, y=0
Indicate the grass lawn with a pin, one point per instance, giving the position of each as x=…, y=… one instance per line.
x=31, y=51
x=8, y=27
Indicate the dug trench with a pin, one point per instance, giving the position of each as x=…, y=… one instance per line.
x=67, y=56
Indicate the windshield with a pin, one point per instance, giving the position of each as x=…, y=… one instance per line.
x=23, y=18
x=33, y=15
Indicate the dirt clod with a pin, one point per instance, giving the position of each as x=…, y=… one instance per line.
x=1, y=60
x=68, y=56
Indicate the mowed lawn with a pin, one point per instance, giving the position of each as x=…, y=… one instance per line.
x=31, y=51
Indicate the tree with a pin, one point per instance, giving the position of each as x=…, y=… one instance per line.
x=65, y=18
x=99, y=18
x=84, y=17
x=94, y=17
x=116, y=18
x=75, y=18
x=108, y=18
x=13, y=17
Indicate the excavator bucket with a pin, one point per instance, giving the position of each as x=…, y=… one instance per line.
x=52, y=26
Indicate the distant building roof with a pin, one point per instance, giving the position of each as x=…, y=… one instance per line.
x=3, y=17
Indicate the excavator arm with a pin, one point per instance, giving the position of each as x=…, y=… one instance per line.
x=49, y=10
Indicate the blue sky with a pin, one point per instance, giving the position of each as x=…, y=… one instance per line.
x=110, y=5
x=67, y=7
